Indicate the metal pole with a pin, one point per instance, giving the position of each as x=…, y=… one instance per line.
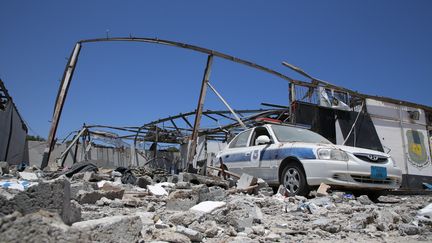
x=61, y=97
x=226, y=104
x=198, y=113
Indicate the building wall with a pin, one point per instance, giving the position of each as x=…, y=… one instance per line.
x=13, y=135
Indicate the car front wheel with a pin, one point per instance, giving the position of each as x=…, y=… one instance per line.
x=294, y=180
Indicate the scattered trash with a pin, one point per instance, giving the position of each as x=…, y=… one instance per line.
x=20, y=185
x=80, y=167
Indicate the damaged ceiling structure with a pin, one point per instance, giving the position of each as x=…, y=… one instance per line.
x=158, y=182
x=341, y=115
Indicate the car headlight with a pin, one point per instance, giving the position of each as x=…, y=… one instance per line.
x=332, y=154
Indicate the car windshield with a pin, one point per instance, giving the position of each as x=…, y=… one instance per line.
x=295, y=134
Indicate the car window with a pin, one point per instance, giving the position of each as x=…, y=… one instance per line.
x=240, y=140
x=258, y=131
x=295, y=134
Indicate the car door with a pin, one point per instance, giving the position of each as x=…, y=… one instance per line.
x=237, y=155
x=262, y=155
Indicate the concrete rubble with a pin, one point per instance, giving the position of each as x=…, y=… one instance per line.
x=98, y=207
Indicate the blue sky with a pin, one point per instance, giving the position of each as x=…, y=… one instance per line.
x=375, y=47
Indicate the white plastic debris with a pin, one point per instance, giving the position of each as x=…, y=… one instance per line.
x=17, y=184
x=207, y=206
x=425, y=214
x=157, y=190
x=28, y=176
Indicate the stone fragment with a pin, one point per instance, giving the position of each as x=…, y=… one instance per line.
x=116, y=203
x=121, y=228
x=193, y=235
x=408, y=229
x=207, y=206
x=75, y=187
x=144, y=181
x=385, y=219
x=246, y=181
x=166, y=235
x=272, y=237
x=103, y=201
x=183, y=185
x=161, y=225
x=200, y=179
x=363, y=199
x=107, y=190
x=181, y=200
x=322, y=189
x=258, y=230
x=242, y=213
x=185, y=218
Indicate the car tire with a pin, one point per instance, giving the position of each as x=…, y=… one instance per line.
x=293, y=179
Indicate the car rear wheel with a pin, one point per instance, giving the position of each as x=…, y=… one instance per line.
x=294, y=180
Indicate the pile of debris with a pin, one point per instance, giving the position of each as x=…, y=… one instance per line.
x=104, y=205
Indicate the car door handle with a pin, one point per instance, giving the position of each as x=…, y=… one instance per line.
x=248, y=153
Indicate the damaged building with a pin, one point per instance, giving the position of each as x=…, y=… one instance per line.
x=157, y=182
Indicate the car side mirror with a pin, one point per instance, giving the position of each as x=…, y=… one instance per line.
x=263, y=139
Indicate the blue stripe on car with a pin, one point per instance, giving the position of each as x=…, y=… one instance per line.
x=272, y=154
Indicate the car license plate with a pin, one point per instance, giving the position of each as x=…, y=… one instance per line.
x=378, y=172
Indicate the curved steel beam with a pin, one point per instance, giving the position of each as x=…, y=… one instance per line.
x=198, y=49
x=70, y=67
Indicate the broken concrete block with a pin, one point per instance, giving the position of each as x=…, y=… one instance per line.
x=200, y=179
x=180, y=200
x=166, y=235
x=75, y=187
x=108, y=191
x=41, y=226
x=185, y=218
x=207, y=206
x=215, y=193
x=363, y=199
x=183, y=185
x=193, y=235
x=242, y=214
x=408, y=229
x=92, y=176
x=157, y=190
x=246, y=181
x=103, y=201
x=322, y=189
x=28, y=176
x=121, y=228
x=51, y=195
x=144, y=181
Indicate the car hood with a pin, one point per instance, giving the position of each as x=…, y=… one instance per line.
x=348, y=149
x=353, y=150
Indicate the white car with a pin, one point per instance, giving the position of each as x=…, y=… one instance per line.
x=300, y=159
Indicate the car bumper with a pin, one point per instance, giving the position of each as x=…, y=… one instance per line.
x=353, y=174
